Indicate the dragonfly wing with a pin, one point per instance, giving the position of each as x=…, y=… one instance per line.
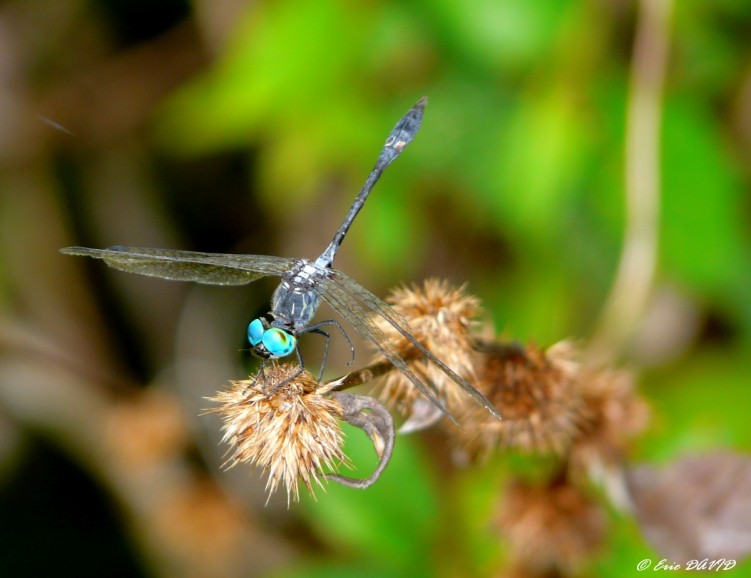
x=209, y=268
x=345, y=290
x=336, y=292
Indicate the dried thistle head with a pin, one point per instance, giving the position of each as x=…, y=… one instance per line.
x=439, y=317
x=616, y=414
x=551, y=529
x=543, y=408
x=281, y=423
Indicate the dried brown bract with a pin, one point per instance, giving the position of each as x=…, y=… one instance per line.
x=615, y=415
x=283, y=425
x=440, y=317
x=539, y=395
x=551, y=529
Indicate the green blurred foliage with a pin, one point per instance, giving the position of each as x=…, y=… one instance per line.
x=522, y=151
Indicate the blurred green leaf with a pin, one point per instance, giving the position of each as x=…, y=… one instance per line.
x=394, y=520
x=539, y=157
x=492, y=32
x=275, y=75
x=700, y=405
x=369, y=569
x=702, y=228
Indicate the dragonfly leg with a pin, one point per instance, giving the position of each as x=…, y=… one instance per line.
x=316, y=328
x=319, y=331
x=255, y=379
x=277, y=386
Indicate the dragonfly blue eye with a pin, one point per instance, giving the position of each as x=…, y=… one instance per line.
x=278, y=342
x=255, y=332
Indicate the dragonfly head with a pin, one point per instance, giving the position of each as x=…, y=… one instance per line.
x=270, y=342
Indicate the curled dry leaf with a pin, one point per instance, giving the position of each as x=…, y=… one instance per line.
x=698, y=507
x=371, y=417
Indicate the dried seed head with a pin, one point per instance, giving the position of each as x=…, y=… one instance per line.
x=616, y=414
x=551, y=529
x=285, y=427
x=440, y=318
x=543, y=409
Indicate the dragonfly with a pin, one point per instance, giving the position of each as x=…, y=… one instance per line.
x=304, y=285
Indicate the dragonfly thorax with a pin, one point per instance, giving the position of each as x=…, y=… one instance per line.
x=295, y=302
x=269, y=342
x=293, y=306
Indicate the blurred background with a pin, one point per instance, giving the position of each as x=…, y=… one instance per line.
x=249, y=126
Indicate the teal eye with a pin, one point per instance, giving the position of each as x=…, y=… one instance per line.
x=278, y=342
x=255, y=332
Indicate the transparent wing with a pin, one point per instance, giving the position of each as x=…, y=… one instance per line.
x=345, y=295
x=387, y=312
x=341, y=300
x=209, y=268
